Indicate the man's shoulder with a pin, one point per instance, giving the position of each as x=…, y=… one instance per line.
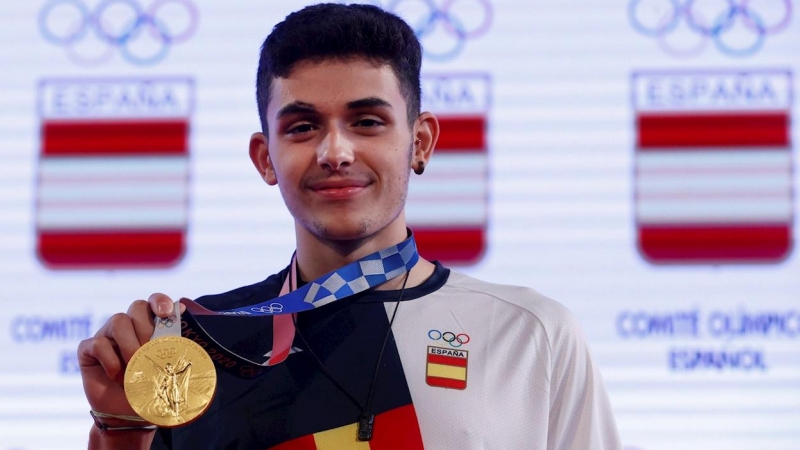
x=553, y=316
x=245, y=295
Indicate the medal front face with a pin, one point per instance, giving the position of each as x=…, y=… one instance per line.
x=170, y=381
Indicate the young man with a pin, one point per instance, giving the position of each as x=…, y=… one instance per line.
x=430, y=358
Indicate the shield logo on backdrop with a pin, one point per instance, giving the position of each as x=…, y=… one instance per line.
x=448, y=206
x=113, y=172
x=713, y=166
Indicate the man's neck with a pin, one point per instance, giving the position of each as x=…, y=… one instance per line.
x=317, y=256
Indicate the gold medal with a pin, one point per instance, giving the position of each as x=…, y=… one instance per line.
x=170, y=381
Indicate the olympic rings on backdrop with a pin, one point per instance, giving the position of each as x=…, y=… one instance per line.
x=666, y=16
x=455, y=340
x=100, y=24
x=440, y=24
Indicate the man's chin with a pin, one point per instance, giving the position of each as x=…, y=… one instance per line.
x=343, y=229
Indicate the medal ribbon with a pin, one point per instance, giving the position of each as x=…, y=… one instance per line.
x=359, y=276
x=167, y=326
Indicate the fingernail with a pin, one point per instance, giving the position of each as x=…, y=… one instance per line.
x=164, y=308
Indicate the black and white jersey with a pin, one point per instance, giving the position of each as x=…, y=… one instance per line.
x=467, y=365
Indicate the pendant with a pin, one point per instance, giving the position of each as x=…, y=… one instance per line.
x=170, y=381
x=366, y=423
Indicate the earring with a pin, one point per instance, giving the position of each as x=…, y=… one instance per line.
x=420, y=168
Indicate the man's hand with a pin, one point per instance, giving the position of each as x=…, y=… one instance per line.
x=103, y=358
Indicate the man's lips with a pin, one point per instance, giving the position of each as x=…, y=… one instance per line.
x=337, y=184
x=339, y=189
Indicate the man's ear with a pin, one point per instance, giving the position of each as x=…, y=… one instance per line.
x=259, y=154
x=426, y=133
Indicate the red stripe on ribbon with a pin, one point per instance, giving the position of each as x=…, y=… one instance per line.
x=447, y=360
x=682, y=131
x=731, y=243
x=110, y=249
x=462, y=133
x=456, y=246
x=283, y=329
x=86, y=138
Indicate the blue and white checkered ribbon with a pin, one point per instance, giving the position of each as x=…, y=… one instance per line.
x=366, y=273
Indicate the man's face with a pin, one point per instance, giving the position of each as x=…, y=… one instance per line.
x=340, y=147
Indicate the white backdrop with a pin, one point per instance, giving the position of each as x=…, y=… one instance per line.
x=698, y=348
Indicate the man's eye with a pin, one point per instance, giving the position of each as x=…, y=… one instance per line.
x=300, y=129
x=369, y=123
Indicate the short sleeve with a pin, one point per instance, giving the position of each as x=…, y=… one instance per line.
x=580, y=411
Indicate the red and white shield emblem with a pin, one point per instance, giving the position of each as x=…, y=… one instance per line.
x=448, y=206
x=113, y=172
x=713, y=166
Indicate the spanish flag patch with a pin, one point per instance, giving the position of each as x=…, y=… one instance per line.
x=447, y=368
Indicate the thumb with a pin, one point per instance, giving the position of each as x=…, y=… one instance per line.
x=161, y=304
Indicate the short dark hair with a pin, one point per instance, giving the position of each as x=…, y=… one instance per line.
x=338, y=31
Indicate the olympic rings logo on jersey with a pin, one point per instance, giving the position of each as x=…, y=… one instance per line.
x=142, y=36
x=443, y=28
x=735, y=27
x=455, y=340
x=271, y=309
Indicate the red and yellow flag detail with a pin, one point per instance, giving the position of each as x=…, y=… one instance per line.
x=394, y=430
x=447, y=368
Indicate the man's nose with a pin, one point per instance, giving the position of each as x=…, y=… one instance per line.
x=335, y=151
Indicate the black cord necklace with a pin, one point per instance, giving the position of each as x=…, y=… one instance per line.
x=366, y=420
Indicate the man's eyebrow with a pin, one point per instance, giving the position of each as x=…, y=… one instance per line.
x=296, y=108
x=369, y=102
